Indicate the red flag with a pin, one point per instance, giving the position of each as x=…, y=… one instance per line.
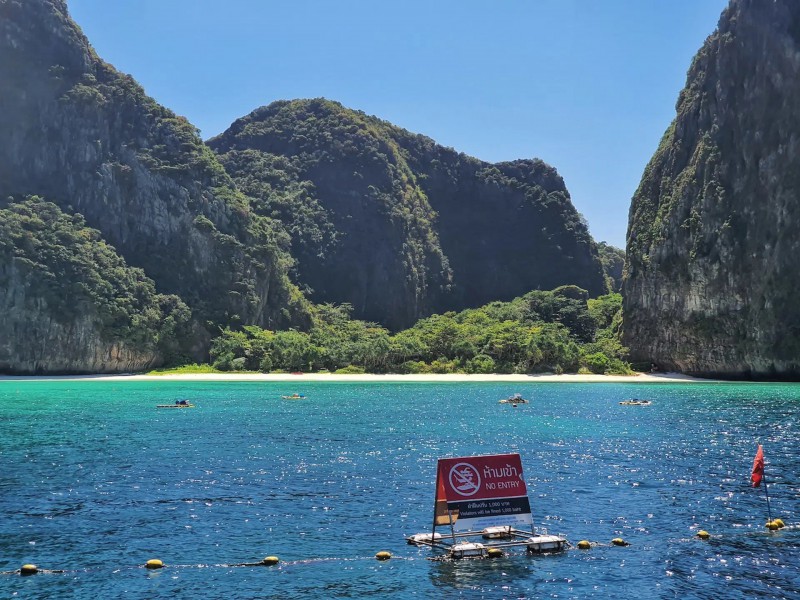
x=758, y=467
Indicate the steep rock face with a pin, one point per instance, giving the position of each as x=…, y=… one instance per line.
x=70, y=304
x=343, y=189
x=711, y=272
x=613, y=260
x=86, y=137
x=506, y=228
x=35, y=343
x=399, y=226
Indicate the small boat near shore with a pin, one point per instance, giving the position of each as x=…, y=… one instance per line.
x=294, y=397
x=636, y=402
x=514, y=399
x=178, y=404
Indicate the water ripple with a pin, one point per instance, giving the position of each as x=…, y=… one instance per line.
x=95, y=480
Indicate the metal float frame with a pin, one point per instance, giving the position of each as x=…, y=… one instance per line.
x=542, y=543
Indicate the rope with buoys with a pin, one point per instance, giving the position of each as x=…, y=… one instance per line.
x=155, y=564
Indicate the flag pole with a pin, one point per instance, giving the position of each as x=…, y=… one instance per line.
x=766, y=493
x=759, y=475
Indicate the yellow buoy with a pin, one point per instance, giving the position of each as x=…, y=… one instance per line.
x=772, y=526
x=703, y=535
x=584, y=545
x=494, y=553
x=619, y=542
x=153, y=563
x=383, y=555
x=28, y=569
x=270, y=560
x=779, y=523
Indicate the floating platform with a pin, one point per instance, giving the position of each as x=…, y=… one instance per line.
x=546, y=544
x=496, y=533
x=463, y=545
x=420, y=539
x=468, y=550
x=483, y=503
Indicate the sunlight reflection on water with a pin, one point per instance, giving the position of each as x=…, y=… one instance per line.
x=95, y=480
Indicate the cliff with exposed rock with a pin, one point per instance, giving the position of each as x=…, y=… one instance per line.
x=70, y=304
x=711, y=272
x=87, y=138
x=399, y=226
x=130, y=242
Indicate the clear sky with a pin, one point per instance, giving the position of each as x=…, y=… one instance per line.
x=588, y=86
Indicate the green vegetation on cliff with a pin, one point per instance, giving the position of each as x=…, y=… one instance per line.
x=711, y=272
x=362, y=228
x=52, y=267
x=86, y=137
x=613, y=261
x=396, y=225
x=560, y=331
x=147, y=245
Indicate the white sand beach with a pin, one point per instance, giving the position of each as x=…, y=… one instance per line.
x=371, y=378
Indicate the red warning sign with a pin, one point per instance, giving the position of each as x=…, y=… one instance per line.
x=481, y=491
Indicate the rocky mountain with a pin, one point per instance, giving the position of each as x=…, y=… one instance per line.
x=88, y=139
x=613, y=261
x=711, y=273
x=70, y=304
x=399, y=226
x=125, y=241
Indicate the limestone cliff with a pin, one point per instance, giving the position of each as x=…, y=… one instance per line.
x=711, y=274
x=613, y=260
x=399, y=226
x=70, y=304
x=86, y=137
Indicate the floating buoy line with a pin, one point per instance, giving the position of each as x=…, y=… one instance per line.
x=504, y=496
x=155, y=564
x=466, y=504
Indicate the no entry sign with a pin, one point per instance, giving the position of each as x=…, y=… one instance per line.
x=475, y=492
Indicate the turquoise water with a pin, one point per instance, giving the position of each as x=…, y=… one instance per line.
x=94, y=480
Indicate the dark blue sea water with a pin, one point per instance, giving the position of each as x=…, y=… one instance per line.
x=94, y=480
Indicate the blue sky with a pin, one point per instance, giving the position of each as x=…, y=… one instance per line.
x=588, y=86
